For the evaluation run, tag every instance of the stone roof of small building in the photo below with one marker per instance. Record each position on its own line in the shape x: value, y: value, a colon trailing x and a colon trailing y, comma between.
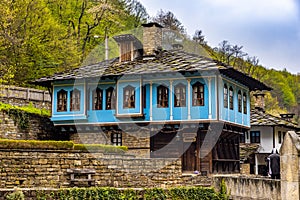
x: 247, y: 149
x: 261, y: 118
x: 163, y: 62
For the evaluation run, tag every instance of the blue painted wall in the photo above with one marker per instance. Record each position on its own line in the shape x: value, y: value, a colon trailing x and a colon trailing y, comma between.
x: 68, y: 115
x: 234, y: 116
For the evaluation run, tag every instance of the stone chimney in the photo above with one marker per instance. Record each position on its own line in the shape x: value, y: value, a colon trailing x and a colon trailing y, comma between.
x: 259, y: 101
x: 152, y: 38
x: 287, y: 116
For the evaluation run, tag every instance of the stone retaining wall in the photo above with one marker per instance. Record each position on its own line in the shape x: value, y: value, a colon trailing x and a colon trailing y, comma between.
x: 39, y: 128
x: 28, y: 169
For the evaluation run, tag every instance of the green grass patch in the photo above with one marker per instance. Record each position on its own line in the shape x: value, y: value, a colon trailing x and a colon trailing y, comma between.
x: 27, y: 109
x: 35, y: 144
x: 59, y: 145
x: 100, y: 148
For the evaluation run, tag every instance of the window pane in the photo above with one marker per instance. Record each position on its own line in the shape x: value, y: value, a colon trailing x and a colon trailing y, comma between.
x: 225, y: 96
x: 129, y: 97
x: 62, y: 101
x: 162, y: 96
x: 110, y: 99
x: 198, y: 94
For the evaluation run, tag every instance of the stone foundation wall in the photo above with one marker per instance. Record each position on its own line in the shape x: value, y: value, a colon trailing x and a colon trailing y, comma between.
x: 89, y: 138
x: 248, y: 187
x: 38, y: 128
x: 49, y: 169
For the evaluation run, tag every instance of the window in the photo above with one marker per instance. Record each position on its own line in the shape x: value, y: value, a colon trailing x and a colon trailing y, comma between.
x: 180, y: 95
x: 110, y: 99
x: 129, y: 97
x: 279, y: 137
x: 255, y: 136
x: 126, y: 51
x: 62, y: 100
x: 240, y: 101
x: 231, y: 98
x: 225, y: 96
x: 245, y: 103
x: 198, y: 94
x: 116, y: 138
x: 162, y: 97
x: 75, y: 100
x: 97, y: 99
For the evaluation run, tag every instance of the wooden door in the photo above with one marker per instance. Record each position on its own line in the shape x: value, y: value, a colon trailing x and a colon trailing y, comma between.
x: 189, y: 158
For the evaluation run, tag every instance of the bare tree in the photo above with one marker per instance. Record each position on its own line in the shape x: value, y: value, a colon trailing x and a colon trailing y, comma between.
x: 169, y: 20
x: 199, y: 38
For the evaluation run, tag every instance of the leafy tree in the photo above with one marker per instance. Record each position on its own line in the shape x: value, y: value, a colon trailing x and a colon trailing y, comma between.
x: 40, y: 37
x: 7, y: 41
x: 33, y: 44
x: 137, y: 12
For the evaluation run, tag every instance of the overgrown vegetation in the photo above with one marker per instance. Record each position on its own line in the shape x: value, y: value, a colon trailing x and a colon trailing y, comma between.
x: 59, y: 145
x: 20, y: 115
x: 179, y: 193
x: 26, y: 109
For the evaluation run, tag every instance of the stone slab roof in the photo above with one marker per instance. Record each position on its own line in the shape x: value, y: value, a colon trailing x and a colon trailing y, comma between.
x: 163, y: 62
x: 261, y: 118
x: 246, y: 149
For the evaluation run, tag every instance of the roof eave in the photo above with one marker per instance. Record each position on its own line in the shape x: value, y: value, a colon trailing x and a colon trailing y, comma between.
x: 252, y: 83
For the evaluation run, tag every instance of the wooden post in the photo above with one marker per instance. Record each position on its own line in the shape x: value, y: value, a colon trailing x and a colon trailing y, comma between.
x: 28, y: 94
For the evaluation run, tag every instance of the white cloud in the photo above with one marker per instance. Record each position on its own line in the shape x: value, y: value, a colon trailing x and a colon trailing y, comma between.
x: 269, y: 10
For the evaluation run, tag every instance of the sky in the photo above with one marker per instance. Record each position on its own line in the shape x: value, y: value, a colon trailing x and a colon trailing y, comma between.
x: 267, y: 29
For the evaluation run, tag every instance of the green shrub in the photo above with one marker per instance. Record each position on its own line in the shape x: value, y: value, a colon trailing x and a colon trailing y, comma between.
x: 155, y: 193
x: 223, y: 191
x: 190, y: 193
x: 97, y: 193
x: 16, y: 195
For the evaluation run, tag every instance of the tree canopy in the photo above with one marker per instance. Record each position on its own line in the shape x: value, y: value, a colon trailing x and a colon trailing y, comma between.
x: 40, y: 37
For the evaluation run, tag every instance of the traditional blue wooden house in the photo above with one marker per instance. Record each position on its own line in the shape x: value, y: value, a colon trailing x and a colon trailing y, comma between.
x: 159, y: 103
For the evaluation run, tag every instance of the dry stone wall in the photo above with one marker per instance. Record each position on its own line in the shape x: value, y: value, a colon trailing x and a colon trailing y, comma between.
x: 29, y: 169
x: 39, y: 128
